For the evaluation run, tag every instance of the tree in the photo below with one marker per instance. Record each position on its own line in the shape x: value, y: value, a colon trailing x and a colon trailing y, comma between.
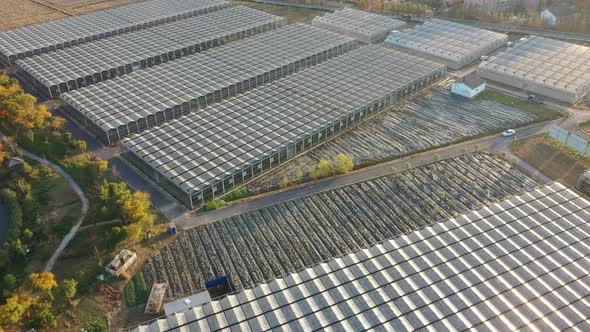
x: 9, y: 281
x: 299, y: 175
x: 343, y: 163
x: 284, y: 182
x: 69, y: 286
x: 102, y: 166
x: 80, y: 145
x: 133, y: 232
x: 12, y: 312
x: 137, y: 209
x: 44, y: 282
x: 42, y: 315
x: 114, y: 194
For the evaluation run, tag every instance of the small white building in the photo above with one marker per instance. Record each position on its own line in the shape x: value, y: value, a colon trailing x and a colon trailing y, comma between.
x: 121, y: 263
x: 468, y: 86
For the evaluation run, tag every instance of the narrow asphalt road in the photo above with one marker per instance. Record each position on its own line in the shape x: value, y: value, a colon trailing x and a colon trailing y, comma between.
x: 493, y: 143
x: 64, y: 242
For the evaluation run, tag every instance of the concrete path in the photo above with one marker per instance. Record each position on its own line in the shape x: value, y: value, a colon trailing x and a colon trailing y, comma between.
x: 79, y: 192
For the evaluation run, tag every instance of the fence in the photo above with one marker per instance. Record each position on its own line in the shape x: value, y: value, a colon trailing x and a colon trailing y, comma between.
x: 572, y: 140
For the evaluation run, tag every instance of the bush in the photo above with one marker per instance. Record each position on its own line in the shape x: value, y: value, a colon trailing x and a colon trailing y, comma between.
x: 130, y: 294
x: 80, y: 145
x: 236, y: 194
x: 343, y: 163
x: 141, y: 291
x: 215, y: 204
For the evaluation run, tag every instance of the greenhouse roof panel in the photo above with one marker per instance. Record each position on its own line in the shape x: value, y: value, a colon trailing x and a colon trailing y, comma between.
x: 94, y: 58
x: 291, y: 108
x: 518, y: 264
x: 446, y: 40
x: 544, y: 62
x: 206, y: 72
x: 36, y: 39
x: 364, y: 26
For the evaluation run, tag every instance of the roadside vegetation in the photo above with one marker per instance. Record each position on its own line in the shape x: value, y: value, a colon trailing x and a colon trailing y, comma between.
x: 43, y: 208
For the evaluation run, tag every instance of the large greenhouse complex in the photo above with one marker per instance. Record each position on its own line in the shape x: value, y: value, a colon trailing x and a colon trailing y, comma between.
x: 543, y: 66
x: 366, y: 27
x: 65, y: 70
x: 207, y: 153
x: 117, y: 108
x: 34, y: 40
x: 453, y: 44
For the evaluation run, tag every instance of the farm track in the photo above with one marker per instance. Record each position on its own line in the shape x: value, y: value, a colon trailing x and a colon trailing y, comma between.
x: 270, y: 242
x: 429, y: 121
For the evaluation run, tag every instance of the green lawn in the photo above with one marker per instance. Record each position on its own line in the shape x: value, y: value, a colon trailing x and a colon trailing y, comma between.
x: 542, y: 112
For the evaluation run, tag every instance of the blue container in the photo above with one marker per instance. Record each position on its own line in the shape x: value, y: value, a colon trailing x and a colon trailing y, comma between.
x: 173, y: 229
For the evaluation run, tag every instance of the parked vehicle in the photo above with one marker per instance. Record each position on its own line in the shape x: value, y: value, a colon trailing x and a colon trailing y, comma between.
x: 508, y: 133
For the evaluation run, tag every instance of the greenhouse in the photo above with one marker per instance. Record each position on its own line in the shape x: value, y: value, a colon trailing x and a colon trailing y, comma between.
x: 366, y: 27
x: 34, y: 40
x: 206, y: 154
x: 518, y: 265
x: 453, y: 44
x: 542, y: 66
x: 76, y: 67
x: 117, y: 108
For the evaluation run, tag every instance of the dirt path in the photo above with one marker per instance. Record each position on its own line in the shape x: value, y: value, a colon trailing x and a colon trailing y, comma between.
x: 79, y: 192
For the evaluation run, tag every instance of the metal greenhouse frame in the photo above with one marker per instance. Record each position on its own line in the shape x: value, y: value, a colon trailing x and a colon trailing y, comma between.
x: 120, y: 107
x: 543, y: 66
x: 38, y: 39
x: 208, y: 153
x: 83, y: 65
x: 366, y: 27
x: 453, y: 44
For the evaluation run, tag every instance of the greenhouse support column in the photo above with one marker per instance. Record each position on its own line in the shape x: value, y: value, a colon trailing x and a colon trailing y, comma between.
x: 190, y: 199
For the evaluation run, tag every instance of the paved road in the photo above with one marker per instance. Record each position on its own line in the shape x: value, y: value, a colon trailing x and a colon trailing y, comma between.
x: 79, y: 192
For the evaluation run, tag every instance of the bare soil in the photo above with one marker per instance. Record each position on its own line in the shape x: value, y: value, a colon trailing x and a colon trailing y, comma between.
x: 552, y: 159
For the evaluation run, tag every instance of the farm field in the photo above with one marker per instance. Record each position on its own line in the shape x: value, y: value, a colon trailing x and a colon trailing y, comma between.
x: 550, y: 158
x: 270, y: 242
x: 429, y: 121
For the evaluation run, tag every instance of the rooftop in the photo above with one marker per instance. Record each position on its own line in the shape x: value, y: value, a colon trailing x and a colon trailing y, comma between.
x: 519, y: 264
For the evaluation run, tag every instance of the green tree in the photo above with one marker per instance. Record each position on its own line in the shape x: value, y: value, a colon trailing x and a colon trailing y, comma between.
x: 9, y: 281
x: 42, y: 315
x: 114, y: 194
x: 80, y: 145
x: 69, y: 286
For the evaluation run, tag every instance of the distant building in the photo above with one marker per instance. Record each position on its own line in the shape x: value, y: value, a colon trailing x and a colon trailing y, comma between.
x: 584, y: 183
x: 557, y: 15
x: 469, y: 86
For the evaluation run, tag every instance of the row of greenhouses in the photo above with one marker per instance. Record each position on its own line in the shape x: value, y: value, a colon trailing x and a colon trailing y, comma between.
x: 133, y: 103
x: 209, y: 152
x: 83, y: 65
x: 25, y: 42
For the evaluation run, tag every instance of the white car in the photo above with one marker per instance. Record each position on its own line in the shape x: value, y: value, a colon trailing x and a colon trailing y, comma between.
x: 508, y: 133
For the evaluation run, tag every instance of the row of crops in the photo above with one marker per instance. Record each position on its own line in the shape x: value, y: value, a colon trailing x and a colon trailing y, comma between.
x: 429, y: 121
x: 262, y: 244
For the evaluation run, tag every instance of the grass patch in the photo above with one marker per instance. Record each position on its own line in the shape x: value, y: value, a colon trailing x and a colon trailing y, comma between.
x: 556, y: 161
x: 542, y: 112
x: 236, y: 194
x: 62, y: 228
x: 82, y: 168
x: 214, y: 205
x: 136, y: 292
